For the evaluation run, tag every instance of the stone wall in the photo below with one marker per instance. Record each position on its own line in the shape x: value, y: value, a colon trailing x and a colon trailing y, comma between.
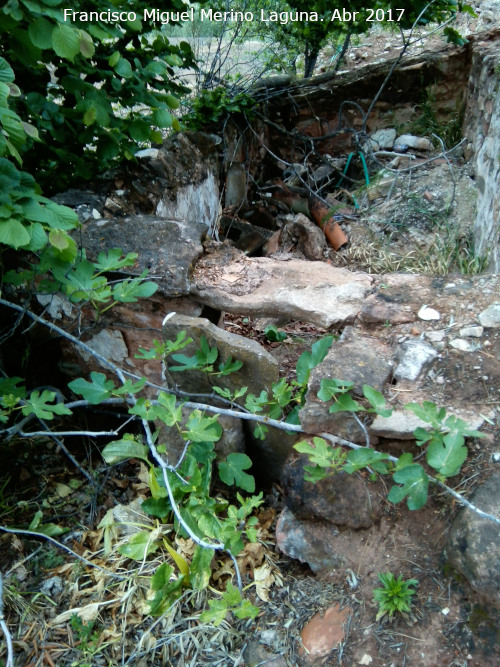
x: 482, y: 129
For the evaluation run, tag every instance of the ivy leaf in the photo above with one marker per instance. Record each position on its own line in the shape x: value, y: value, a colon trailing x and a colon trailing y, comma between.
x: 231, y: 471
x: 415, y: 483
x: 447, y: 455
x: 38, y: 404
x: 95, y: 391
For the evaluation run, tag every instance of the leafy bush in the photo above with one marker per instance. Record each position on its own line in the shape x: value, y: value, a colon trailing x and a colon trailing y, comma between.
x: 89, y: 91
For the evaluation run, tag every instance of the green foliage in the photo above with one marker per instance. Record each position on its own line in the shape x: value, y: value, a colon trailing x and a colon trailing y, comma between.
x: 445, y: 441
x: 273, y: 335
x: 231, y: 601
x: 114, y: 85
x: 396, y: 595
x: 209, y: 107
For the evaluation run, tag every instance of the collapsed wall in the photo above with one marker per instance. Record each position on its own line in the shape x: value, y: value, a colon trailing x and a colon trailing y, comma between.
x: 333, y: 114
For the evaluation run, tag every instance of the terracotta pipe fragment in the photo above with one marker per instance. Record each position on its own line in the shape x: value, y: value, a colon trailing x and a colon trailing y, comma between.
x: 326, y: 222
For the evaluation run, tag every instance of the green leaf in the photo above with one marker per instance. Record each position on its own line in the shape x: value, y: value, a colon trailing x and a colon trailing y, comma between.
x: 168, y: 410
x: 216, y: 614
x: 448, y: 455
x: 345, y: 403
x: 357, y: 459
x: 6, y: 71
x: 162, y: 117
x: 139, y: 546
x: 229, y: 366
x: 200, y: 570
x: 415, y: 484
x: 40, y: 32
x: 161, y: 577
x: 66, y: 41
x: 273, y: 335
x: 59, y: 239
x: 200, y: 428
x: 14, y: 234
x: 376, y: 400
x: 129, y: 291
x: 89, y: 116
x: 159, y: 507
x: 246, y: 610
x: 113, y: 59
x: 231, y: 471
x: 95, y: 391
x: 123, y: 68
x: 39, y: 404
x: 309, y: 359
x: 332, y: 388
x: 121, y: 450
x: 87, y: 48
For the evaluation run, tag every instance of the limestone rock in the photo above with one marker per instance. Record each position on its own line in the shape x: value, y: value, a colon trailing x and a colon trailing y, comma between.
x: 414, y: 357
x: 308, y: 542
x: 399, y: 426
x: 380, y: 139
x: 490, y: 317
x: 417, y: 143
x: 305, y: 235
x: 166, y: 248
x: 474, y: 542
x: 297, y: 289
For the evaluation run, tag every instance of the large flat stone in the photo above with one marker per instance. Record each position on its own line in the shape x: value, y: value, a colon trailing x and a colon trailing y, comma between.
x: 296, y: 289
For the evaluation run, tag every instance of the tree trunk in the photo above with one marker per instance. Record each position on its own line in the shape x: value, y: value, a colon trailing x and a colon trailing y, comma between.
x: 310, y: 58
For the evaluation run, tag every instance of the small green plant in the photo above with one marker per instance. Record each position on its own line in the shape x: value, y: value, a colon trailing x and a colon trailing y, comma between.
x: 273, y: 335
x: 395, y: 596
x: 88, y: 640
x: 231, y: 601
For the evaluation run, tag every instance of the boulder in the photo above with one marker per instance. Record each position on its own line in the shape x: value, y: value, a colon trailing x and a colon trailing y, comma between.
x: 341, y: 499
x: 259, y: 370
x: 357, y: 358
x: 168, y: 249
x: 474, y: 542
